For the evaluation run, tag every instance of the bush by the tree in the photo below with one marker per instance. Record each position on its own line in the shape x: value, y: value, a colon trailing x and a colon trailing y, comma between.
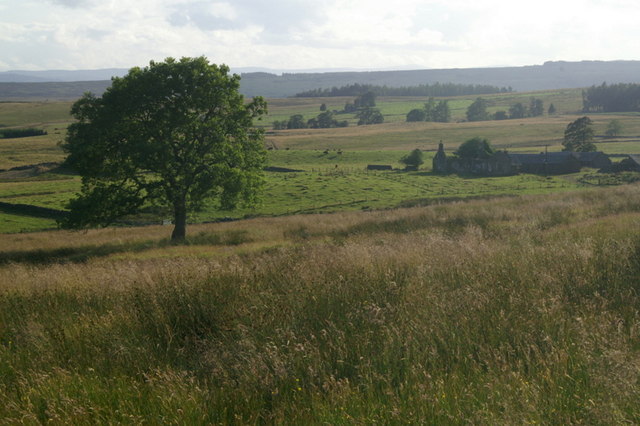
x: 413, y: 159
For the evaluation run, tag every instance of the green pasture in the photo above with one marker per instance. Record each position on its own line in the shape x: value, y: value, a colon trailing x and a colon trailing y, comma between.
x: 11, y: 223
x: 334, y: 190
x: 332, y: 161
x: 328, y: 182
x: 37, y: 114
x: 395, y: 108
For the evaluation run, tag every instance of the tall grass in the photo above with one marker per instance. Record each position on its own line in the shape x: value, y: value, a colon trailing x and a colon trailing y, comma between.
x: 520, y: 310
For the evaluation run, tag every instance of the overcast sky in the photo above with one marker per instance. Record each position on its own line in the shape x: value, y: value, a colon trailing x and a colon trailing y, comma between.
x: 312, y: 34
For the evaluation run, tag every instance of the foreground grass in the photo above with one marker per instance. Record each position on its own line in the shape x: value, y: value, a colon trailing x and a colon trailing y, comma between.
x: 519, y: 310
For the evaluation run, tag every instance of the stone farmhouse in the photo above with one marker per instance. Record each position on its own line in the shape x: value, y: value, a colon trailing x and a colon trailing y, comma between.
x: 503, y: 163
x: 629, y: 164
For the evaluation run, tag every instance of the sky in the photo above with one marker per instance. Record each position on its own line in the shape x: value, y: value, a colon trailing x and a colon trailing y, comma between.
x: 315, y: 34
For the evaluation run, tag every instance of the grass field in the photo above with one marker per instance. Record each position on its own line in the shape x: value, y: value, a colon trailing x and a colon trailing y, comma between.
x: 413, y: 299
x: 508, y: 311
x: 332, y: 160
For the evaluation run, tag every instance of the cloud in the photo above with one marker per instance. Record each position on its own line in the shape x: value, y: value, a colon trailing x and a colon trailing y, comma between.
x: 279, y: 20
x: 315, y: 34
x: 205, y: 16
x: 73, y: 3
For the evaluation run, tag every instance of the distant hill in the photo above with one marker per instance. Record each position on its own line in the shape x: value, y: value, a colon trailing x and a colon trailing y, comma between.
x: 60, y: 75
x: 551, y: 75
x: 58, y: 91
x: 23, y: 85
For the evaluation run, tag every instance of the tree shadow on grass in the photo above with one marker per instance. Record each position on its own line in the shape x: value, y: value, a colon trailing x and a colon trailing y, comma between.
x: 70, y: 254
x: 82, y: 254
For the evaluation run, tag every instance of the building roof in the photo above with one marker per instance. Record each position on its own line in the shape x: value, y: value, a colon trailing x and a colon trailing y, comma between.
x: 635, y: 158
x: 588, y: 156
x: 542, y: 158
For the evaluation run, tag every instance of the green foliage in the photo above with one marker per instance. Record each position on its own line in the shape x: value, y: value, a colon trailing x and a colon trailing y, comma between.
x: 612, y: 98
x: 366, y: 100
x: 413, y: 159
x: 614, y: 128
x: 517, y: 111
x: 296, y: 121
x: 416, y: 114
x: 174, y: 133
x: 369, y: 116
x: 536, y: 107
x: 500, y: 115
x: 20, y: 133
x: 440, y: 113
x: 326, y: 120
x: 477, y: 111
x: 436, y: 89
x: 475, y: 148
x: 578, y: 136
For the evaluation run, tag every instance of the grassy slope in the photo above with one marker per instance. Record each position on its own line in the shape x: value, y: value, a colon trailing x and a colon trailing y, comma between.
x: 506, y: 311
x: 332, y: 181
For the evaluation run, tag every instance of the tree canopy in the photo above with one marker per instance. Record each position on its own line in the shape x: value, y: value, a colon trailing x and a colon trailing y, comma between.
x: 369, y: 116
x: 578, y: 136
x: 172, y: 134
x: 413, y: 159
x: 477, y: 111
x: 612, y: 98
x: 475, y: 148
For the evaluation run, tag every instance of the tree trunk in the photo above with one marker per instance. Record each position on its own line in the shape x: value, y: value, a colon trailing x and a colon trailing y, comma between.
x: 179, y: 220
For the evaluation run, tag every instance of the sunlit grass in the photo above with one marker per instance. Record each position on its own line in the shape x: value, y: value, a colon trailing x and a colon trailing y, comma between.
x: 507, y: 311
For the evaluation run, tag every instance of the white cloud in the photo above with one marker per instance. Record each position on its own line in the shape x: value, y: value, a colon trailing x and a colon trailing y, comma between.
x: 73, y: 34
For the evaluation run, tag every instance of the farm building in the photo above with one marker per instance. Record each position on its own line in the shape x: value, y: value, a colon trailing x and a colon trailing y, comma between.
x: 503, y: 163
x: 552, y: 163
x: 596, y: 160
x: 629, y: 164
x: 499, y: 164
x: 440, y: 160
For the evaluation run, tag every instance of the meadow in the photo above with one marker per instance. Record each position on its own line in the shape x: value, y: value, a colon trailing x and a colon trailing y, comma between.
x: 332, y: 162
x: 345, y: 297
x: 515, y: 310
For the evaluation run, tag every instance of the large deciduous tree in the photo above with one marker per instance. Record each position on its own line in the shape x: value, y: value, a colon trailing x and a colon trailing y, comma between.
x: 172, y: 134
x: 578, y: 136
x: 477, y: 111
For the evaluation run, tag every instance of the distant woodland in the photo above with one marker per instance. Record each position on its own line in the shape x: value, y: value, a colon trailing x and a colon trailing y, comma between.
x: 612, y: 98
x: 436, y: 89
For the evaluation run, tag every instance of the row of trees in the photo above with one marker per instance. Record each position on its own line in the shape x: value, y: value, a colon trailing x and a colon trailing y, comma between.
x: 436, y: 89
x: 324, y: 120
x: 477, y: 111
x: 20, y: 133
x: 611, y: 98
x: 363, y: 107
x: 432, y: 111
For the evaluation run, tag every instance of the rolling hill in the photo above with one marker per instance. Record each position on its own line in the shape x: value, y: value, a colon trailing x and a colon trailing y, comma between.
x: 20, y: 85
